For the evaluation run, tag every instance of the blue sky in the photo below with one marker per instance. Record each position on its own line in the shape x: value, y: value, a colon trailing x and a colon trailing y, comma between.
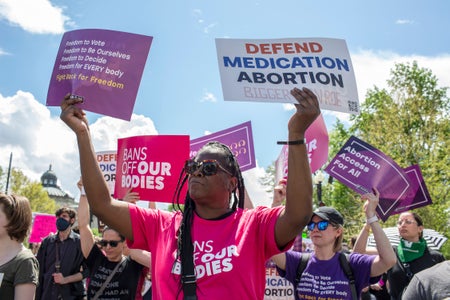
x: 180, y: 91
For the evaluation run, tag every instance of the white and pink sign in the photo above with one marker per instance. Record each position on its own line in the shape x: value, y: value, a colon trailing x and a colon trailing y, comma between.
x: 107, y: 163
x: 266, y: 70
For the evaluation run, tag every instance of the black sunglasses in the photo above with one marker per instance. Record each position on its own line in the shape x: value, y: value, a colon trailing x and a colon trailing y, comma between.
x: 207, y: 167
x: 105, y: 243
x: 321, y: 225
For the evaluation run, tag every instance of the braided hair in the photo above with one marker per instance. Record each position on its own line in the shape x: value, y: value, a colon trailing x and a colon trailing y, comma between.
x: 184, y: 238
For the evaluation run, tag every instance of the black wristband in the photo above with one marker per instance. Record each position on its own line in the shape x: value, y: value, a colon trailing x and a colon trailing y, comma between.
x: 296, y: 142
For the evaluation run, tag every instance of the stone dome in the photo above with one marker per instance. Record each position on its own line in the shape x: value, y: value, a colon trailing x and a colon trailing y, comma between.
x: 49, y: 178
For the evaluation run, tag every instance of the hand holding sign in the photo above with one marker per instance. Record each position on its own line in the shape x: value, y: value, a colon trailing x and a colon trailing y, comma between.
x: 360, y: 166
x: 103, y: 67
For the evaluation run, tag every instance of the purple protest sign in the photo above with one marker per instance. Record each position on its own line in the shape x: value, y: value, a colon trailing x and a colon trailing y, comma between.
x: 361, y: 167
x: 102, y: 66
x: 238, y: 138
x: 422, y: 196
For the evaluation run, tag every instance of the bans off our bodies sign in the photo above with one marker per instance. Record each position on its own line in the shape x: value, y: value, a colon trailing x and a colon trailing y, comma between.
x: 150, y: 165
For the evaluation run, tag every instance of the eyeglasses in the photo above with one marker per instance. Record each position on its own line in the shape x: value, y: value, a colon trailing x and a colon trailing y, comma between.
x: 407, y: 222
x: 105, y: 243
x: 207, y: 167
x: 321, y: 225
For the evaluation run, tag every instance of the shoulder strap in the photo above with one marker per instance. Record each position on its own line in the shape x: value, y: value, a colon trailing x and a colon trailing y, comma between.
x: 300, y: 268
x: 188, y: 279
x: 345, y: 265
x: 105, y: 283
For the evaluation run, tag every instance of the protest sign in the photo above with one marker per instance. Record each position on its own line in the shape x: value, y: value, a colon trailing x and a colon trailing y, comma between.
x: 421, y: 197
x: 102, y: 66
x: 107, y: 162
x: 277, y: 287
x: 43, y: 225
x: 238, y: 138
x: 361, y: 167
x: 317, y: 145
x: 281, y: 164
x: 151, y: 165
x: 266, y: 70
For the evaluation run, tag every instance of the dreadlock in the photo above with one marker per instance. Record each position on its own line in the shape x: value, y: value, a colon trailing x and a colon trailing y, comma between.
x: 184, y: 238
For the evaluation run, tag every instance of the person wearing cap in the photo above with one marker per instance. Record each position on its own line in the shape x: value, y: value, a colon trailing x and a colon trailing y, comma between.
x: 324, y: 276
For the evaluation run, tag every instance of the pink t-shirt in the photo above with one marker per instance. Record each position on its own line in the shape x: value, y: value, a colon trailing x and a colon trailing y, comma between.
x: 229, y: 254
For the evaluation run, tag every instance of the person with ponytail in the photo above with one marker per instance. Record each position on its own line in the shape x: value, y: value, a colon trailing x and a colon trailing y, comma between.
x: 413, y: 253
x: 212, y: 248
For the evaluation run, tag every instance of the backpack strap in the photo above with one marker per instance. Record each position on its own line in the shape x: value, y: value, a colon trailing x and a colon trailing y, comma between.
x: 300, y: 268
x: 345, y: 265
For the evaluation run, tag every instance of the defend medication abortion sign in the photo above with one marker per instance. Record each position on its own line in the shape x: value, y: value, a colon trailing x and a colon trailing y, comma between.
x: 102, y: 66
x: 266, y: 70
x: 107, y: 162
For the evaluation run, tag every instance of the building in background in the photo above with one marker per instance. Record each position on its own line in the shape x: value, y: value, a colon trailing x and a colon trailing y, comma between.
x: 49, y: 182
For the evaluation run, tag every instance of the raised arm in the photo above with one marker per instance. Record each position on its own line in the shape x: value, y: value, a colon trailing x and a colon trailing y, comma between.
x: 86, y: 237
x: 386, y: 257
x: 361, y: 242
x: 299, y: 189
x: 112, y: 212
x: 279, y: 193
x: 141, y: 256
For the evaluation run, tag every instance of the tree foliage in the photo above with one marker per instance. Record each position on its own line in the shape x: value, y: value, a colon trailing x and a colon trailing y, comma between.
x: 39, y: 200
x: 409, y: 121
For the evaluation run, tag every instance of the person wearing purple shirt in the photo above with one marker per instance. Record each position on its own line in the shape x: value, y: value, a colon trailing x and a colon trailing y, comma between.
x: 323, y: 276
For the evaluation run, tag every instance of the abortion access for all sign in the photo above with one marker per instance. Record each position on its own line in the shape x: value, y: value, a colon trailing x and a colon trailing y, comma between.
x: 362, y: 167
x: 104, y: 67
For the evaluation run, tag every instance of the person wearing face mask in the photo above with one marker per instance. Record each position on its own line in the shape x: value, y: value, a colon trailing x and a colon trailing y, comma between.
x: 62, y: 266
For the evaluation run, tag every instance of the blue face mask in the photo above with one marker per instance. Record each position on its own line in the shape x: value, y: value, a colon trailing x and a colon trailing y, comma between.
x: 62, y: 224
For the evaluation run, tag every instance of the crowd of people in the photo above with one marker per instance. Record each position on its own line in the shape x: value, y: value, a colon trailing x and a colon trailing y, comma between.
x: 218, y: 245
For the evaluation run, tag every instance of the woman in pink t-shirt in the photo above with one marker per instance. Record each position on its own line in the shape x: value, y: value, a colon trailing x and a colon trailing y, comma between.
x: 210, y: 242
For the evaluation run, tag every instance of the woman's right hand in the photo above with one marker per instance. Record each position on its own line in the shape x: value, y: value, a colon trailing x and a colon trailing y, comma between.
x: 73, y: 115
